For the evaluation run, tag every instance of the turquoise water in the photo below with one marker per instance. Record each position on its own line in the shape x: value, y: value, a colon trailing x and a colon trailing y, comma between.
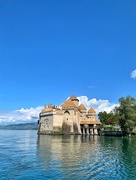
x: 25, y: 155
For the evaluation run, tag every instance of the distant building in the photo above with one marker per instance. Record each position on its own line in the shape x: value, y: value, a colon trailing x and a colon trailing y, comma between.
x: 71, y: 118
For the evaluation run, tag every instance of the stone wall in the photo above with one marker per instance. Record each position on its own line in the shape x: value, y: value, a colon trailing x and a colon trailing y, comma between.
x: 46, y: 124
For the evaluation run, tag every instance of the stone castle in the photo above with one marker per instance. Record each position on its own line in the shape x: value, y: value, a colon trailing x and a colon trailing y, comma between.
x: 71, y: 118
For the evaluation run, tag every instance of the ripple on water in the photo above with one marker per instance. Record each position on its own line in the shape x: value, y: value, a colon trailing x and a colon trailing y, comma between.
x: 24, y: 155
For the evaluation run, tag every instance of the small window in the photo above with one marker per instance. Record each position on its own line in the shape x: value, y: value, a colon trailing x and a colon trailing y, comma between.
x: 67, y: 112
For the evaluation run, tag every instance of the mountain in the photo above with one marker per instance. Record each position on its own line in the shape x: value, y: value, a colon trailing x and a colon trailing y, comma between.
x: 24, y: 126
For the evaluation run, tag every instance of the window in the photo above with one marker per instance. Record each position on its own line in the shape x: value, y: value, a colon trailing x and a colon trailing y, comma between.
x: 66, y: 112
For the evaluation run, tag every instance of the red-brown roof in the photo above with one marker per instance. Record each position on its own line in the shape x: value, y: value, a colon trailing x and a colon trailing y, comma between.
x: 74, y: 98
x: 46, y: 110
x: 68, y: 103
x: 91, y: 110
x: 82, y: 107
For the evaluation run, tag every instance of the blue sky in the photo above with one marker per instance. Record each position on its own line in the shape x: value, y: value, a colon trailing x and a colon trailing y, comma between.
x: 48, y: 48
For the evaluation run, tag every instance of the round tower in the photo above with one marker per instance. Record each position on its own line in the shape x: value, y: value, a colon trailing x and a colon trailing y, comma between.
x: 74, y: 100
x: 92, y: 114
x: 82, y: 108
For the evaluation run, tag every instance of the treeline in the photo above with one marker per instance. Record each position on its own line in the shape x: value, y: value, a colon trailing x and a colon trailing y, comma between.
x: 123, y: 115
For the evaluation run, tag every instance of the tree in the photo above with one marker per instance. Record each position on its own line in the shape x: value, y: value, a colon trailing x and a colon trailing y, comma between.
x: 103, y: 116
x: 108, y: 118
x: 113, y: 119
x: 124, y: 115
x: 127, y: 112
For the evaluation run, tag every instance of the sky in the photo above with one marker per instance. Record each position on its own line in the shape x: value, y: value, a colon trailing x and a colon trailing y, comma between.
x: 52, y: 49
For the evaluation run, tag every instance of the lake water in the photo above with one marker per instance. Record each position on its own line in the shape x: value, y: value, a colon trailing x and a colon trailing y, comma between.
x: 25, y: 155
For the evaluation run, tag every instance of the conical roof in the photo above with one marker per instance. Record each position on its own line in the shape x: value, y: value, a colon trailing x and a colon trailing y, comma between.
x: 68, y: 103
x: 82, y: 107
x: 91, y: 110
x: 73, y: 98
x: 46, y: 110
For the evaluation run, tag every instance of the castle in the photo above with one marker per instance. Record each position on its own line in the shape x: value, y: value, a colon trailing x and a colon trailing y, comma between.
x: 71, y: 118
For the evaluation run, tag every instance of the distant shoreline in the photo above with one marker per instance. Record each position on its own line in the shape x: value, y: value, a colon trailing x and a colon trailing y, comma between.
x: 24, y: 126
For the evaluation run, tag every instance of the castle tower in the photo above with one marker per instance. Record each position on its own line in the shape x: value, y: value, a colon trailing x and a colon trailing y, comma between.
x: 82, y: 108
x: 92, y: 114
x: 74, y: 100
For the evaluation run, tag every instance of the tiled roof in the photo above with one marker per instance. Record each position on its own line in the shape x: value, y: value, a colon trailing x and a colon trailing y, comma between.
x: 46, y: 110
x: 90, y: 122
x: 74, y: 98
x: 82, y: 107
x: 68, y: 103
x: 59, y: 111
x: 91, y: 110
x: 50, y: 106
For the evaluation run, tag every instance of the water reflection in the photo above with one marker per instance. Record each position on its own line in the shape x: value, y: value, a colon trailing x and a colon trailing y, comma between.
x: 25, y: 155
x: 87, y: 157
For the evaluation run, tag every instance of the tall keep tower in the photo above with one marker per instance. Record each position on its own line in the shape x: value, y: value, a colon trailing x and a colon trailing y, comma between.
x: 74, y: 100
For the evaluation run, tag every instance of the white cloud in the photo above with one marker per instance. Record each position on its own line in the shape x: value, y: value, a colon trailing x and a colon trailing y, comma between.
x: 133, y: 74
x: 32, y: 114
x: 99, y: 105
x: 21, y: 116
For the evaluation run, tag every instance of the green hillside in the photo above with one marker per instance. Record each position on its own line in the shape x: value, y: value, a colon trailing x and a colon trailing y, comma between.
x: 25, y: 126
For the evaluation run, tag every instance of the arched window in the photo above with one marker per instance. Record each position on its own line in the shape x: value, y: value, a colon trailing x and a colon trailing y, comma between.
x: 67, y: 112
